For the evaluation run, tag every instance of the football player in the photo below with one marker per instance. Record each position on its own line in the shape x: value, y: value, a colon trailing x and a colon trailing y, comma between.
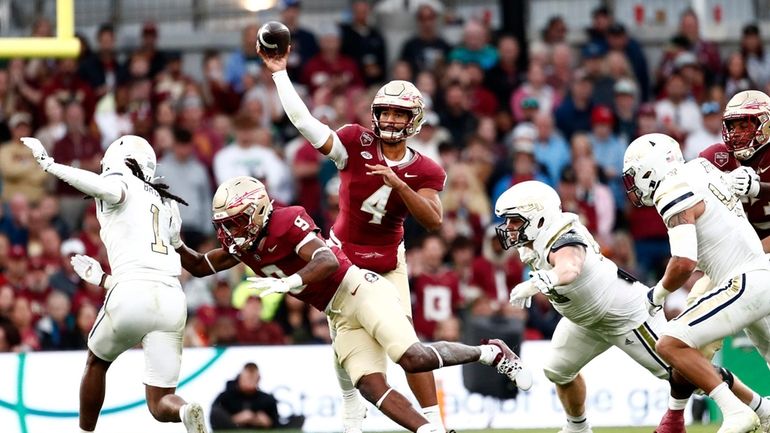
x: 696, y: 203
x: 145, y: 303
x: 382, y: 182
x: 283, y: 247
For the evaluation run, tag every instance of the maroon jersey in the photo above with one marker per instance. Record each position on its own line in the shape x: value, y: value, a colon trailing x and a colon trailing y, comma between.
x: 435, y: 297
x: 370, y: 224
x: 275, y: 256
x: 757, y: 209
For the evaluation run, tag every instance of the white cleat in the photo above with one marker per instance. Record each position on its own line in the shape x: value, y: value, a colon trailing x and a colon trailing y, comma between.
x: 353, y: 414
x: 764, y: 422
x: 743, y: 421
x: 509, y: 364
x: 193, y: 418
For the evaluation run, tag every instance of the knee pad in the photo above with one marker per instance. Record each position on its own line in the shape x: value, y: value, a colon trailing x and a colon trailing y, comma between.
x: 726, y: 375
x: 558, y: 378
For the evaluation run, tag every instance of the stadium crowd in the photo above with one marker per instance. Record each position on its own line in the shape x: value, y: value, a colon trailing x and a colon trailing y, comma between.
x: 563, y: 115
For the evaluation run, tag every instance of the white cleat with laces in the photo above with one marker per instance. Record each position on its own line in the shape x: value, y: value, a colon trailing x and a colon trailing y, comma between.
x: 742, y: 421
x: 509, y: 364
x: 193, y: 418
x: 353, y: 414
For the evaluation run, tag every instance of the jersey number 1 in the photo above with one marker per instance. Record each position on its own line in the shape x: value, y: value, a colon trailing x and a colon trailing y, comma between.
x: 376, y: 203
x: 157, y: 246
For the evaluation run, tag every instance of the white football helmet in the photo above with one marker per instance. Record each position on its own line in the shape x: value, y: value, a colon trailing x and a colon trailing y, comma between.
x: 133, y: 147
x: 753, y: 106
x: 241, y: 210
x: 401, y: 95
x: 647, y: 160
x: 533, y: 203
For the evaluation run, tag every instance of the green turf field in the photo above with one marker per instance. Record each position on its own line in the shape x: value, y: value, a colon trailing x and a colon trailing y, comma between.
x: 690, y: 429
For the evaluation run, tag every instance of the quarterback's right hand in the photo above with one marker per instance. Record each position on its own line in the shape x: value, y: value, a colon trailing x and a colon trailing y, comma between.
x: 38, y: 152
x: 521, y: 295
x: 87, y: 268
x: 274, y: 63
x: 745, y: 182
x: 175, y: 225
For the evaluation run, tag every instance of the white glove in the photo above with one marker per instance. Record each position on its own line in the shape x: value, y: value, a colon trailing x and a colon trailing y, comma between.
x: 269, y: 285
x: 521, y: 295
x: 87, y: 268
x: 656, y: 297
x: 745, y: 181
x: 175, y: 226
x: 38, y: 152
x: 543, y: 280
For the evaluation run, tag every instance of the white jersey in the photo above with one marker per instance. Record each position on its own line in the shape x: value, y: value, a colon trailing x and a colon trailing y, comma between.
x: 598, y: 299
x: 727, y: 244
x: 136, y: 233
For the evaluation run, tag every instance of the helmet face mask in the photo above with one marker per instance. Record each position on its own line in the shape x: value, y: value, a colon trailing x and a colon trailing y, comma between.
x: 746, y: 123
x: 403, y: 96
x: 241, y: 210
x: 512, y: 237
x: 528, y: 208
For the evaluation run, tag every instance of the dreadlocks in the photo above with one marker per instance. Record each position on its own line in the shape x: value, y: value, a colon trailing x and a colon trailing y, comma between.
x: 162, y: 189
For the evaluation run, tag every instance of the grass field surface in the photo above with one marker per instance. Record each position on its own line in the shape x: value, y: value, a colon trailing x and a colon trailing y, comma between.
x: 709, y: 428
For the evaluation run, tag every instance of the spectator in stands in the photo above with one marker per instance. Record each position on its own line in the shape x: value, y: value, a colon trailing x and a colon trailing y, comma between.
x: 24, y: 320
x: 757, y: 59
x: 647, y: 120
x: 524, y: 166
x: 431, y: 135
x: 551, y: 150
x: 601, y: 21
x: 711, y: 133
x: 244, y: 61
x: 592, y: 61
x: 16, y: 269
x: 67, y: 86
x: 9, y: 336
x: 435, y: 289
x: 707, y: 52
x: 57, y: 326
x: 574, y: 113
x: 608, y: 151
x: 364, y: 43
x: 736, y: 76
x: 20, y: 172
x: 114, y: 120
x: 37, y: 288
x: 619, y: 40
x: 456, y: 116
x: 185, y: 175
x: 223, y: 305
x: 303, y: 43
x: 85, y: 316
x: 496, y: 270
x: 462, y: 252
x: 14, y: 221
x: 253, y: 330
x: 7, y: 297
x: 597, y: 196
x: 192, y: 117
x: 252, y: 154
x: 535, y: 87
x: 475, y: 47
x: 101, y: 69
x: 555, y: 31
x: 503, y: 78
x: 677, y: 113
x: 217, y: 89
x: 465, y: 203
x: 243, y: 405
x: 625, y: 106
x: 148, y: 45
x: 319, y: 327
x: 427, y: 50
x: 330, y: 68
x: 66, y: 279
x: 483, y: 101
x: 79, y: 148
x: 54, y: 128
x: 572, y: 198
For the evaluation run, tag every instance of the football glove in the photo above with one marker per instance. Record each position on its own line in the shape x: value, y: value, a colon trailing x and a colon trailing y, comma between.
x: 269, y: 285
x: 745, y: 182
x: 543, y: 280
x: 38, y: 152
x: 89, y: 270
x: 655, y: 298
x: 175, y: 225
x: 521, y: 295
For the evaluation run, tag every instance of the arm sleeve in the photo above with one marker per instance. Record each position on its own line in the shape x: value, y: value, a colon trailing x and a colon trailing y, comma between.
x: 110, y: 188
x: 310, y: 127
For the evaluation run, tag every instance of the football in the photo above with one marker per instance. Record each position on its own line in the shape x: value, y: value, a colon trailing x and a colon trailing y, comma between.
x: 274, y: 38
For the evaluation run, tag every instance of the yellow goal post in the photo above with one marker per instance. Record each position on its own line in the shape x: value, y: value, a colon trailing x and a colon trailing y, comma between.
x: 65, y: 44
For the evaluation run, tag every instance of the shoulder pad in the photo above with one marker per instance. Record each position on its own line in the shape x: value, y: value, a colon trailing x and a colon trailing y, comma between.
x: 570, y: 238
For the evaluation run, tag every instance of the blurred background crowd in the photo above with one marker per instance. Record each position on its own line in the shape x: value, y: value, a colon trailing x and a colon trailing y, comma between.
x: 500, y: 109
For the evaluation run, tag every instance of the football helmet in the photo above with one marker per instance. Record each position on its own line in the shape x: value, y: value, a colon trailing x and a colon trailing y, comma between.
x: 753, y: 106
x: 647, y: 160
x: 401, y: 95
x: 533, y: 203
x: 133, y: 147
x: 241, y: 210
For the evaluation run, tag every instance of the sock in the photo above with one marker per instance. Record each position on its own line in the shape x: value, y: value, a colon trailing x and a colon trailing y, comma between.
x: 488, y: 353
x: 86, y: 431
x: 350, y: 395
x: 677, y: 403
x: 428, y: 428
x: 182, y: 409
x: 724, y: 398
x: 433, y: 415
x: 577, y: 423
x: 759, y: 405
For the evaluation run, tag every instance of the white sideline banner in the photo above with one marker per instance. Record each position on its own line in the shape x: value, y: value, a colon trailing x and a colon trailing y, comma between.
x: 39, y: 391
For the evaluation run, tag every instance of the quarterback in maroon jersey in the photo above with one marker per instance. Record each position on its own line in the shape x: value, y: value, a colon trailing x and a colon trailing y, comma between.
x: 746, y: 132
x: 382, y: 182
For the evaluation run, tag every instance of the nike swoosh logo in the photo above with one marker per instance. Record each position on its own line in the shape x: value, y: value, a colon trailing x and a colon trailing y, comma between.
x: 409, y: 175
x: 353, y: 293
x: 271, y: 249
x: 762, y: 170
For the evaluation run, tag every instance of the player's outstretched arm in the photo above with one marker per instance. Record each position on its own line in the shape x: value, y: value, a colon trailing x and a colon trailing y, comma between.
x: 317, y: 133
x: 106, y: 188
x: 200, y: 265
x: 567, y: 263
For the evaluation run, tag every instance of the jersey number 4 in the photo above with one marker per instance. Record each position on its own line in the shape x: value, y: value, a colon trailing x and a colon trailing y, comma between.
x: 157, y: 245
x: 375, y: 204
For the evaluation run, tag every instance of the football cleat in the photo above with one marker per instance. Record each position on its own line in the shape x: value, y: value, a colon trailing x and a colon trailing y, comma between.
x: 741, y: 421
x: 672, y: 422
x: 353, y: 414
x: 509, y: 364
x: 193, y: 418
